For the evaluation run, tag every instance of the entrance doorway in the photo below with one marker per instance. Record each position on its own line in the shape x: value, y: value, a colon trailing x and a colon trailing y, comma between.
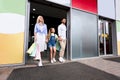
x: 105, y: 37
x: 52, y: 14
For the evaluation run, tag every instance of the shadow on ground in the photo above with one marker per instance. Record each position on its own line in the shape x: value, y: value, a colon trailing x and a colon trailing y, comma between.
x: 115, y: 59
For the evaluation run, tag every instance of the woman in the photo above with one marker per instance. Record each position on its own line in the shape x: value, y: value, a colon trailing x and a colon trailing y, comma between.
x: 40, y: 32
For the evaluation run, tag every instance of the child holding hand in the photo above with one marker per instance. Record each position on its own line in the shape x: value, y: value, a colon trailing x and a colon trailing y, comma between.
x: 51, y: 39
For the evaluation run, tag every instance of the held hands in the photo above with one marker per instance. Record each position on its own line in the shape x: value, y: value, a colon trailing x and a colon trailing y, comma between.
x: 60, y: 39
x: 46, y: 40
x: 35, y: 37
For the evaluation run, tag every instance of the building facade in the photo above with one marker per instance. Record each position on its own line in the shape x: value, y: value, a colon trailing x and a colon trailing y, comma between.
x: 93, y: 27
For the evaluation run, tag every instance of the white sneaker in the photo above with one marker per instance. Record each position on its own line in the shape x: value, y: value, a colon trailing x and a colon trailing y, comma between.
x: 60, y: 59
x: 54, y: 60
x: 40, y: 64
x: 51, y: 61
x: 63, y: 60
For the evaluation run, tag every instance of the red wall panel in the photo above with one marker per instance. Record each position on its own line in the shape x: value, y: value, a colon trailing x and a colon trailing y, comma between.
x: 85, y: 5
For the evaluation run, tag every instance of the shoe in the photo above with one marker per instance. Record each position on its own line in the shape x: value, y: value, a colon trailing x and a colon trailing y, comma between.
x: 40, y: 64
x: 54, y: 60
x: 51, y: 61
x: 61, y: 60
x: 35, y: 59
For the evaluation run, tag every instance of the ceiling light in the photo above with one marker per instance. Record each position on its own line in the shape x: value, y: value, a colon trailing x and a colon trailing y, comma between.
x: 34, y: 9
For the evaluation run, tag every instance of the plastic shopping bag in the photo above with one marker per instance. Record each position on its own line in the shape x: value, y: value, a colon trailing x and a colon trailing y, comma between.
x: 30, y: 50
x: 33, y: 53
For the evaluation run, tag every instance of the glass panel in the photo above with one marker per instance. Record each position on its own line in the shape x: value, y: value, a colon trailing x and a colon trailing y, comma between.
x: 84, y: 36
x: 108, y: 38
x: 105, y: 37
x: 101, y: 38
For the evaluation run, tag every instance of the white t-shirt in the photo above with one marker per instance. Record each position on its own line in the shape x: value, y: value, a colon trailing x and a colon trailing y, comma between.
x: 62, y: 31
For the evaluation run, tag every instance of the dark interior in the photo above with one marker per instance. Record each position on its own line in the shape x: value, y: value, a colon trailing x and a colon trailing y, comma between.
x: 52, y: 14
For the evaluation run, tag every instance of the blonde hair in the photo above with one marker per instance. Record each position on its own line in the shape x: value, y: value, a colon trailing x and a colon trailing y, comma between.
x: 49, y: 33
x: 38, y: 19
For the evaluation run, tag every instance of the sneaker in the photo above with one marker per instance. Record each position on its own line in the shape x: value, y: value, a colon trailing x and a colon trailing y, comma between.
x: 51, y: 61
x: 35, y: 59
x: 54, y: 60
x: 61, y: 59
x: 40, y: 64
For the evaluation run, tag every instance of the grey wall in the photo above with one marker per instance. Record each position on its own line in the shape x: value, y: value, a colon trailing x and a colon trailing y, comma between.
x: 114, y: 39
x: 63, y: 2
x: 83, y: 34
x: 106, y: 8
x: 118, y: 9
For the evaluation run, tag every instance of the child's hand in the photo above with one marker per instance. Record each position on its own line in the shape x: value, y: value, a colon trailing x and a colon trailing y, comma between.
x: 46, y: 40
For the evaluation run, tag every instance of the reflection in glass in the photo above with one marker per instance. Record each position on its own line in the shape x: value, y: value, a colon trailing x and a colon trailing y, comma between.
x: 105, y: 37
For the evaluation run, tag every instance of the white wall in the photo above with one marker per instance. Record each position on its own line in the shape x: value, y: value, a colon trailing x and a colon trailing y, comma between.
x: 106, y: 8
x: 63, y: 2
x: 118, y: 9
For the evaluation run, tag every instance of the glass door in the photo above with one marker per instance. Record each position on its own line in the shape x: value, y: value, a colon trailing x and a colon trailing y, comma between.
x: 105, y: 37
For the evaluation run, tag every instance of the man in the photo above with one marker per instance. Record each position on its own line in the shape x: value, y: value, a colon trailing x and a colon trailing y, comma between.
x: 62, y: 39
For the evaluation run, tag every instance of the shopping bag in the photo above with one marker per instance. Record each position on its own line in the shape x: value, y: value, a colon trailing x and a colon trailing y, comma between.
x: 33, y: 53
x: 58, y: 45
x: 29, y: 51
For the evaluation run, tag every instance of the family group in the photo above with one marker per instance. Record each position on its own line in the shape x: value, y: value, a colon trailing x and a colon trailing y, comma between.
x: 42, y: 37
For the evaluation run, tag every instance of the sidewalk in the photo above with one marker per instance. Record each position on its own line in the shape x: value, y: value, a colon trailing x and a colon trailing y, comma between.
x: 108, y: 65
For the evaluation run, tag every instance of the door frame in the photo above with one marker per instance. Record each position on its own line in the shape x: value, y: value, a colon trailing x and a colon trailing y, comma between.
x: 27, y: 29
x: 113, y: 34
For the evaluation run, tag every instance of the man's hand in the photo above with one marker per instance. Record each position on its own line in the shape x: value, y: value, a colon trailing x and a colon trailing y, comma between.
x: 59, y: 38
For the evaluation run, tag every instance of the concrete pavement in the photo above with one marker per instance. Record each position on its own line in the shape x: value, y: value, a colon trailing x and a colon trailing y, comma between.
x: 101, y: 63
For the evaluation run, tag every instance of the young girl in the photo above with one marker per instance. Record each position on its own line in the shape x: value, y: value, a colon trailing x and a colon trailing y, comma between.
x: 52, y: 37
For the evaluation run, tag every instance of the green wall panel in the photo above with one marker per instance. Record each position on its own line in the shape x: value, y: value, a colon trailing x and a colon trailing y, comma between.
x: 118, y: 26
x: 13, y: 6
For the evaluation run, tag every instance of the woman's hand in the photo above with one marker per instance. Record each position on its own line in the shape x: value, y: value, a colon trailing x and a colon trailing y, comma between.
x: 46, y: 40
x: 35, y: 39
